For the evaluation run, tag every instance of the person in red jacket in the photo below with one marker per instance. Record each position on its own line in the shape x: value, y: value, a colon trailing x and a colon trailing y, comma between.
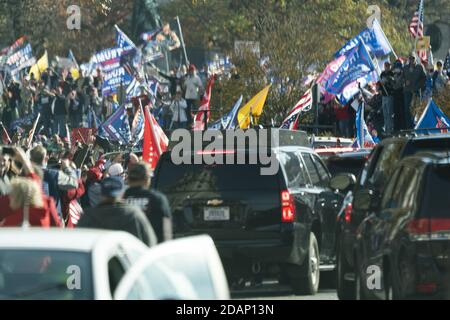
x: 26, y: 205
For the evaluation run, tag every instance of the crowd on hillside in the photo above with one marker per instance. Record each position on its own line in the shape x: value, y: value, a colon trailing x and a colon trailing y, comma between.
x: 390, y: 102
x: 65, y: 103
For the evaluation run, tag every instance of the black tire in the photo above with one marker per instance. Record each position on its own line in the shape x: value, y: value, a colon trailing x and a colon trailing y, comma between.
x: 346, y: 290
x: 308, y: 283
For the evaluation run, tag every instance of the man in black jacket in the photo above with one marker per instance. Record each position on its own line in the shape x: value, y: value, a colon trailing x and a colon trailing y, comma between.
x: 115, y: 215
x: 154, y: 204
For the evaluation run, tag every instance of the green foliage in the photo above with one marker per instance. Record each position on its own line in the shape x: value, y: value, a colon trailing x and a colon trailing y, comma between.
x: 295, y: 34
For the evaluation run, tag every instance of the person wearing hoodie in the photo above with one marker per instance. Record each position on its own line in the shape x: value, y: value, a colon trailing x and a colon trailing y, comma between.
x: 115, y: 215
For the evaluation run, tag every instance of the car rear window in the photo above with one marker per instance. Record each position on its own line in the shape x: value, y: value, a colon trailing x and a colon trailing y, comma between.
x: 430, y: 145
x: 45, y: 275
x: 437, y: 201
x: 181, y: 178
x: 345, y: 165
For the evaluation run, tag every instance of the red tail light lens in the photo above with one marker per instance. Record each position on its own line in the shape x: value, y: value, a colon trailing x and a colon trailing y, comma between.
x: 348, y: 213
x: 287, y: 207
x: 426, y: 229
x: 215, y: 152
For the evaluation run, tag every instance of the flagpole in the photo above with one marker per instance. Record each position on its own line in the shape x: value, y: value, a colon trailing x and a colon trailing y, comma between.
x: 182, y: 40
x: 33, y: 130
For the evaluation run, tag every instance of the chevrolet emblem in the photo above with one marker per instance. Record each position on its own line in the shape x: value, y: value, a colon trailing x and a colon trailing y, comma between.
x: 215, y: 203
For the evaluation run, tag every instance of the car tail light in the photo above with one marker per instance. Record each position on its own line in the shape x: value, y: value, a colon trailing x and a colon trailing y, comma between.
x: 287, y: 207
x: 426, y: 288
x: 215, y: 152
x: 429, y: 229
x: 348, y: 213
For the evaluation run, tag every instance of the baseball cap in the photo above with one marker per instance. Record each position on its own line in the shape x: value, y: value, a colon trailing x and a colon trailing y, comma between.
x: 112, y: 187
x: 139, y: 172
x: 116, y: 170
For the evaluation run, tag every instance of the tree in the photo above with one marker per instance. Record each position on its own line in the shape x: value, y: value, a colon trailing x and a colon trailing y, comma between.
x: 44, y: 23
x: 296, y: 37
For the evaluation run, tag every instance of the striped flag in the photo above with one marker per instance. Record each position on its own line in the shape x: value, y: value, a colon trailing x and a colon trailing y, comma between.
x: 205, y: 109
x: 416, y: 28
x: 75, y: 213
x: 304, y: 105
x: 155, y: 140
x: 447, y: 62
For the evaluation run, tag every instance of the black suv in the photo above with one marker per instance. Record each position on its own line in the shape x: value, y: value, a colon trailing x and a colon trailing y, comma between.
x: 407, y: 237
x: 373, y: 179
x: 263, y: 226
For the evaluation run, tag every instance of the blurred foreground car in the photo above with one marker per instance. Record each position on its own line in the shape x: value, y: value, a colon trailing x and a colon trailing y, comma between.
x: 40, y: 264
x: 373, y: 179
x: 407, y: 236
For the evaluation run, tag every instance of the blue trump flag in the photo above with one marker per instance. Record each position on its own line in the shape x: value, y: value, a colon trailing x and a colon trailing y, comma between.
x: 117, y: 127
x: 123, y: 41
x: 433, y: 120
x: 374, y: 38
x: 353, y: 88
x: 229, y: 121
x: 363, y: 137
x: 114, y: 79
x: 358, y: 64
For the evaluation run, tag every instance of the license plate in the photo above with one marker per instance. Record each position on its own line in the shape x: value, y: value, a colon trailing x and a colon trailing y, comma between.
x: 217, y: 214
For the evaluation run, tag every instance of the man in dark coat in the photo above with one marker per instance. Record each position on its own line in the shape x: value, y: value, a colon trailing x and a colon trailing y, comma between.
x: 113, y: 214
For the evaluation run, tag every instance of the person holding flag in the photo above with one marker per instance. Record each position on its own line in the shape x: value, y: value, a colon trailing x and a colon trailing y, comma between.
x: 414, y: 77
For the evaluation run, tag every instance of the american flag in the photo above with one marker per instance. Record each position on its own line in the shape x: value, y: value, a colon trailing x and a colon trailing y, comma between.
x: 304, y: 105
x: 416, y: 28
x: 447, y: 62
x: 75, y: 213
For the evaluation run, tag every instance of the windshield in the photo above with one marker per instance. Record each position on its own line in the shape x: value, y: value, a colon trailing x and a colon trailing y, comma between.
x: 350, y: 165
x: 45, y: 275
x: 428, y: 145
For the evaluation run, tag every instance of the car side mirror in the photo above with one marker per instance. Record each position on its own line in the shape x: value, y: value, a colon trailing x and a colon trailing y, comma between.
x: 342, y: 182
x: 366, y: 200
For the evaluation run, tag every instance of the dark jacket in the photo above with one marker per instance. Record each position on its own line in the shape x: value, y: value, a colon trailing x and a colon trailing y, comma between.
x: 414, y: 78
x: 157, y: 209
x: 119, y: 217
x: 60, y: 106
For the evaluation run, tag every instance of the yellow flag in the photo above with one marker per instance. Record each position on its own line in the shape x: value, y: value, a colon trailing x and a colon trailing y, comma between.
x: 253, y: 108
x: 40, y: 66
x: 75, y: 73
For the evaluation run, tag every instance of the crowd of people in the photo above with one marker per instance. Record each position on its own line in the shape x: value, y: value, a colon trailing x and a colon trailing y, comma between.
x: 391, y: 101
x: 104, y: 195
x: 65, y: 103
